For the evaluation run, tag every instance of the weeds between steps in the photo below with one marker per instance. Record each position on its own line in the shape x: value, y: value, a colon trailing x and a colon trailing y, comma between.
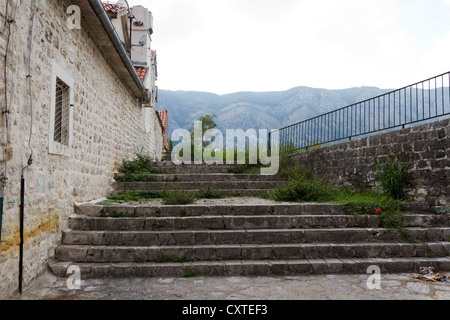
x: 190, y: 273
x: 303, y: 187
x: 141, y: 164
x: 169, y: 197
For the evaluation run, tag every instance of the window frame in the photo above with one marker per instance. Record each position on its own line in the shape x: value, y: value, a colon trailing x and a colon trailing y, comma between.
x: 56, y: 147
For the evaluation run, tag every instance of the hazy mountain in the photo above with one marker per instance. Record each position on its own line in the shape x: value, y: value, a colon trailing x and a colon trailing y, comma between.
x: 257, y: 110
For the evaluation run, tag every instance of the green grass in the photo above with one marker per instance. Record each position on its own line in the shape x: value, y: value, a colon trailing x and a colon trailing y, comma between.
x: 190, y: 273
x: 177, y: 197
x: 128, y: 196
x: 140, y: 260
x: 210, y: 193
x: 303, y: 187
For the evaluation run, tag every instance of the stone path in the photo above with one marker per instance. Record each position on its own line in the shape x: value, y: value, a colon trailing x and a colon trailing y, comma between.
x: 320, y: 287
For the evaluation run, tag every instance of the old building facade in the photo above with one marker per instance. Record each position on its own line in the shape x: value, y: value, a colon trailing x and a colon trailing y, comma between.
x: 88, y: 109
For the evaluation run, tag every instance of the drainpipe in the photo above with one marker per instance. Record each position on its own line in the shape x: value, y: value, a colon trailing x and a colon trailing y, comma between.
x: 97, y: 6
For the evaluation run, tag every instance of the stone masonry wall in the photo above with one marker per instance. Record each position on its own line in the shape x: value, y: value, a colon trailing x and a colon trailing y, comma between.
x: 426, y: 147
x: 108, y: 126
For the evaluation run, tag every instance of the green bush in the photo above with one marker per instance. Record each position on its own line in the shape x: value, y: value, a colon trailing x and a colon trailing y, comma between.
x: 302, y: 187
x: 176, y: 197
x: 394, y: 176
x: 139, y: 165
x: 210, y: 193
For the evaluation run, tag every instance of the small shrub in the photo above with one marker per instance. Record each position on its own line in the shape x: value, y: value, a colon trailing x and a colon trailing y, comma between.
x: 394, y: 176
x: 139, y: 165
x: 210, y: 193
x: 176, y: 197
x: 190, y: 273
x: 302, y: 187
x: 183, y: 213
x: 140, y: 260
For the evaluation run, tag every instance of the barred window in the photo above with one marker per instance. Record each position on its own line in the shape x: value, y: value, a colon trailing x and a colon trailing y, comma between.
x: 62, y: 112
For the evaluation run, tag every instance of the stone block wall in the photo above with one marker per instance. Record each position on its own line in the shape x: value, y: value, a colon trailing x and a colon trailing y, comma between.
x: 108, y: 126
x: 425, y: 147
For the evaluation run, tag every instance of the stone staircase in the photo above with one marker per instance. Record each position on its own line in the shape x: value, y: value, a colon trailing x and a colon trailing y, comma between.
x: 245, y: 237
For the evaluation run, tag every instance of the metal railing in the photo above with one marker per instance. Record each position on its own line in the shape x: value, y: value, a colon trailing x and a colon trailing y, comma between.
x: 424, y: 100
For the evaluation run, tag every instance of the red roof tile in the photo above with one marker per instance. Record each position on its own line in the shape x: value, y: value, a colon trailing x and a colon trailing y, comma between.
x: 112, y: 8
x: 163, y: 115
x: 167, y: 146
x: 141, y: 71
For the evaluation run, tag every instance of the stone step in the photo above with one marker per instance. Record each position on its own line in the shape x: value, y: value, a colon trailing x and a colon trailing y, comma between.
x: 168, y: 254
x: 196, y: 210
x: 196, y: 185
x: 250, y: 268
x: 256, y: 236
x: 170, y: 168
x: 160, y: 164
x: 225, y: 192
x: 77, y: 222
x: 205, y: 177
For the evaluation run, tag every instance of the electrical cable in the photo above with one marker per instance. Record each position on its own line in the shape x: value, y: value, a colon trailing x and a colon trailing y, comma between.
x: 30, y: 92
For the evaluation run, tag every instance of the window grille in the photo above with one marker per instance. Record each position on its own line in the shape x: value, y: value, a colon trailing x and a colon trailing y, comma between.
x: 62, y: 113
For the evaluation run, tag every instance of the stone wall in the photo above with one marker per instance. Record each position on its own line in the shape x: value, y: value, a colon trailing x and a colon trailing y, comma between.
x: 108, y: 126
x: 426, y: 147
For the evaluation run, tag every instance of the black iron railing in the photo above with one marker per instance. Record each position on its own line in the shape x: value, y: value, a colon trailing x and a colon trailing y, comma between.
x: 422, y: 101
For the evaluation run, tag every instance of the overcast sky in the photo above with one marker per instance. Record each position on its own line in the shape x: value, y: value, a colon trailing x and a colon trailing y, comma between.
x: 224, y: 46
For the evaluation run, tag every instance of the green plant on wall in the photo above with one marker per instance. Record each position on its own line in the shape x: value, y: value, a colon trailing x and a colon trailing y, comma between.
x: 393, y: 175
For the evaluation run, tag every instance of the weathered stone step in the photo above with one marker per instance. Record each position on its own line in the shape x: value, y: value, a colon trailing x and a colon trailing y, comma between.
x: 251, y: 268
x: 217, y: 210
x: 77, y: 222
x: 196, y: 210
x: 257, y: 236
x: 169, y: 164
x: 226, y: 192
x: 204, y: 177
x: 196, y: 185
x: 170, y: 168
x: 168, y: 254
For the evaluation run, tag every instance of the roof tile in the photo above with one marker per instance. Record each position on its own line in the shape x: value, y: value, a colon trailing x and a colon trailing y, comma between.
x: 163, y: 115
x: 141, y: 71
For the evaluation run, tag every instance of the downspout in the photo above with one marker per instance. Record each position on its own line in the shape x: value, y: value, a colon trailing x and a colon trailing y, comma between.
x: 97, y: 6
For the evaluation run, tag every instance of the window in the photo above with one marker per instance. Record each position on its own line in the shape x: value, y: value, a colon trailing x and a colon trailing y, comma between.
x: 61, y: 118
x: 62, y: 112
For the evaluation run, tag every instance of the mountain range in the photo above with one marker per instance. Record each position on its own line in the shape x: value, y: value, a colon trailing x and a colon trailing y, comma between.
x: 257, y: 110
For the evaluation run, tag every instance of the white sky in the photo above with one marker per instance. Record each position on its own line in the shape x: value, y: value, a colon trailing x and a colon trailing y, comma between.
x: 224, y: 46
